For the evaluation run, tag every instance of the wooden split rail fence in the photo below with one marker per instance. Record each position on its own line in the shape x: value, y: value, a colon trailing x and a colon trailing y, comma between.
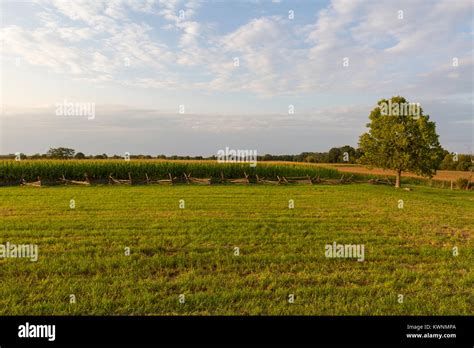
x: 187, y: 178
x: 75, y: 182
x: 34, y: 183
x: 244, y: 180
x: 112, y: 180
x: 170, y: 180
x: 191, y: 180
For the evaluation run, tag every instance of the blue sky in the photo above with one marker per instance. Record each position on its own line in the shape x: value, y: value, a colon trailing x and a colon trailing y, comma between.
x: 139, y: 60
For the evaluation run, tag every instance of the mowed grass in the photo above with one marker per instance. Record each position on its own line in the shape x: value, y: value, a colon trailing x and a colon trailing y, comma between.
x: 282, y: 251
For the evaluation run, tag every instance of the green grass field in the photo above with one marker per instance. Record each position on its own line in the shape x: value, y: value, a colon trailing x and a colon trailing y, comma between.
x: 190, y: 251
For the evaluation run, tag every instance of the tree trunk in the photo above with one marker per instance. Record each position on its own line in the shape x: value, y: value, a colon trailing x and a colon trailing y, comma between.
x: 397, y: 181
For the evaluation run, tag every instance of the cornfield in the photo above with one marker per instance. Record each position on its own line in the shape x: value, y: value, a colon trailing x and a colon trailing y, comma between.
x: 52, y: 170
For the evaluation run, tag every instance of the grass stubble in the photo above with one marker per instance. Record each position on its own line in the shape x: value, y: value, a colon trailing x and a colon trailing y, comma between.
x: 191, y: 251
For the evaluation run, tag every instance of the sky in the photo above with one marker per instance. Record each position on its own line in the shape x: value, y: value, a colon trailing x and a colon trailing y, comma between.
x: 193, y: 77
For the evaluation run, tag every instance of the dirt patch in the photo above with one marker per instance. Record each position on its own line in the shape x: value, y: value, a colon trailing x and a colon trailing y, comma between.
x: 441, y: 175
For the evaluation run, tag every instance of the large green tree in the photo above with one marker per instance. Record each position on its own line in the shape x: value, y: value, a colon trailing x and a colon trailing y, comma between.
x: 60, y: 153
x: 402, y: 139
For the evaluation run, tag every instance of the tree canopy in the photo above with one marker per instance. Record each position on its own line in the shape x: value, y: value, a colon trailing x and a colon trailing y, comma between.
x: 60, y: 153
x: 401, y: 141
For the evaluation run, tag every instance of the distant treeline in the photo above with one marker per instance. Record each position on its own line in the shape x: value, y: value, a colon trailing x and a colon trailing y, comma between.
x: 343, y: 154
